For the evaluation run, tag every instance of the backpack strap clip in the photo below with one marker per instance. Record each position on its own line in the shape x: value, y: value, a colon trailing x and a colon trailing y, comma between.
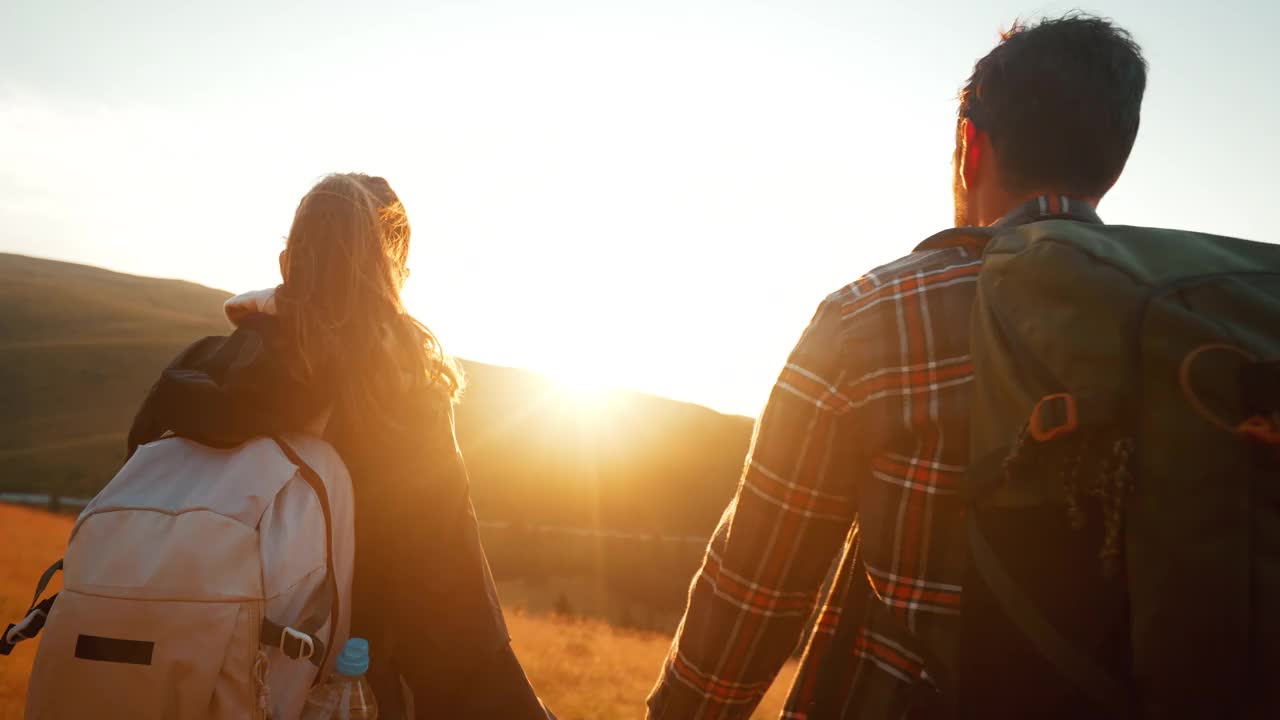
x: 275, y: 635
x: 28, y: 627
x: 1054, y: 415
x: 293, y: 643
x: 33, y: 622
x: 306, y: 647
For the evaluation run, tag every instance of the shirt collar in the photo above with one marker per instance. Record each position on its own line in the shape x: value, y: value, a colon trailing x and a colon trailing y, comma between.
x: 1045, y: 207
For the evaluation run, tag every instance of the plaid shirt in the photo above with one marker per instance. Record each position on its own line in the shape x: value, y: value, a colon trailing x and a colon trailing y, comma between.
x: 859, y: 455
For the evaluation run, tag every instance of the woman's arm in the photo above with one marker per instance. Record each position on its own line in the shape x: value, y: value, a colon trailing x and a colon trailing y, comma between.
x: 441, y: 605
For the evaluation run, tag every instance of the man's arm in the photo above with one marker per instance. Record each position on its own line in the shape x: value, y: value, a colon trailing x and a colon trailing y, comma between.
x: 764, y: 567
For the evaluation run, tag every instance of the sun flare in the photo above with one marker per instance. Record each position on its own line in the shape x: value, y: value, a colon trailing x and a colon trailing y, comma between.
x: 585, y: 391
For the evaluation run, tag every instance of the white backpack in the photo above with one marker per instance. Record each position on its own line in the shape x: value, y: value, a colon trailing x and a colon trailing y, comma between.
x: 199, y: 584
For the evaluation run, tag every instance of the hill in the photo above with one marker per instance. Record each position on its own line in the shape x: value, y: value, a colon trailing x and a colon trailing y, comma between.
x: 581, y: 668
x: 562, y: 487
x: 79, y: 346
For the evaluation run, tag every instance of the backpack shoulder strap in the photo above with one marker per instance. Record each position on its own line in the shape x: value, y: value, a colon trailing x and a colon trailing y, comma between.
x: 301, y: 642
x: 1086, y: 674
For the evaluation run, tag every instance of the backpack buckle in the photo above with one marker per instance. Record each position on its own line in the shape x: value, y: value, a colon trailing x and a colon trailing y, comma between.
x: 303, y: 646
x: 10, y: 639
x: 1054, y: 415
x: 28, y: 627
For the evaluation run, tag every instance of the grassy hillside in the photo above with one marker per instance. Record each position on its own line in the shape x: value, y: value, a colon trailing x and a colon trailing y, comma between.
x: 80, y: 346
x: 636, y: 463
x: 584, y: 670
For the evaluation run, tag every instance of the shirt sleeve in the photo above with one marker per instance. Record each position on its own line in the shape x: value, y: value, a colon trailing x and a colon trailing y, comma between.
x: 430, y: 588
x: 766, y: 563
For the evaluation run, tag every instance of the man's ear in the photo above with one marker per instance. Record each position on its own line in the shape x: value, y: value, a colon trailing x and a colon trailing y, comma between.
x: 971, y: 155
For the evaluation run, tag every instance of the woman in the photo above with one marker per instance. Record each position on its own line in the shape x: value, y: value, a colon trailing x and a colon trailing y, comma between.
x: 333, y: 351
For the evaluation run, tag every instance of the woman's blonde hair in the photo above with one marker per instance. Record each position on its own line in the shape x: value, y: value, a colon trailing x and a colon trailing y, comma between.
x: 344, y: 266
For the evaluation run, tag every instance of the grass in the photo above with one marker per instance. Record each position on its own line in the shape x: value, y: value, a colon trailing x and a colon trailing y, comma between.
x: 29, y: 541
x: 589, y: 670
x: 583, y: 669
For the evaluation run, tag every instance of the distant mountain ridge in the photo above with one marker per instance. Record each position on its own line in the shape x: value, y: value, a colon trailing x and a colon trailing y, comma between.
x: 80, y: 345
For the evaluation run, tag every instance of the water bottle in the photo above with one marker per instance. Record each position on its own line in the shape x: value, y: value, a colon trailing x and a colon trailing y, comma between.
x: 346, y: 695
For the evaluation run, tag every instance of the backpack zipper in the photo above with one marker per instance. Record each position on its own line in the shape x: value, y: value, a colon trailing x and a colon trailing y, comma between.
x: 259, y: 667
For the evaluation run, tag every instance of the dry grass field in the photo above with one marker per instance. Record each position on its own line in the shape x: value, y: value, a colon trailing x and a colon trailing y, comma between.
x: 29, y: 541
x: 588, y: 670
x: 583, y: 669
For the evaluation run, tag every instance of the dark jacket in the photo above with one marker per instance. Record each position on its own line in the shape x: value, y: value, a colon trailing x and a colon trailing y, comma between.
x: 422, y: 591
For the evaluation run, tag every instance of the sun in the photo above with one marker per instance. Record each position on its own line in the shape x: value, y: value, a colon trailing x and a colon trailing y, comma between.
x: 584, y: 390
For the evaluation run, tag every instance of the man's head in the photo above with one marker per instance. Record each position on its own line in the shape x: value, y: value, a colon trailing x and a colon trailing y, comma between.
x: 1053, y: 109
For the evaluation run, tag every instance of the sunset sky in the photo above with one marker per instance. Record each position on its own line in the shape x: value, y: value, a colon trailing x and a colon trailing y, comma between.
x: 651, y: 194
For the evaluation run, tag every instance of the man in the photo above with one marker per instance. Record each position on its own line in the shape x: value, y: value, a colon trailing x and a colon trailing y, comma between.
x: 858, y: 455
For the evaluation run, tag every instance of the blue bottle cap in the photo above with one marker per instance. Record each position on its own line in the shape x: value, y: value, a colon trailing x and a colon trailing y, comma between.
x: 353, y: 661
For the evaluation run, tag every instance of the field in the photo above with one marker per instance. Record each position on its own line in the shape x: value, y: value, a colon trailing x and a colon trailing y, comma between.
x: 583, y: 669
x: 595, y: 511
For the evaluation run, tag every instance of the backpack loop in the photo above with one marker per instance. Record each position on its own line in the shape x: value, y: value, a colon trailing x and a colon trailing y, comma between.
x: 1189, y: 391
x: 1054, y: 415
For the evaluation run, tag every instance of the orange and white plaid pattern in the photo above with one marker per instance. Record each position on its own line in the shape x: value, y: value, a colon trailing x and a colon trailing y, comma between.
x: 856, y: 462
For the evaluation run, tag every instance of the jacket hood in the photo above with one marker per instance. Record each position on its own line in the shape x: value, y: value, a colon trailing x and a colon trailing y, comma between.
x: 245, y: 304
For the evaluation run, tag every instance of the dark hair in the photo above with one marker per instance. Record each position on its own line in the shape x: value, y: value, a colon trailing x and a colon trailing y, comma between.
x: 1060, y: 101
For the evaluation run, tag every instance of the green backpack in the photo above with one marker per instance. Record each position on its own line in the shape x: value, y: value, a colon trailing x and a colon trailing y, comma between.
x: 1124, y: 516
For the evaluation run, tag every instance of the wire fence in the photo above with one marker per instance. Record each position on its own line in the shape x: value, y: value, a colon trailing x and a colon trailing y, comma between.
x: 67, y: 504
